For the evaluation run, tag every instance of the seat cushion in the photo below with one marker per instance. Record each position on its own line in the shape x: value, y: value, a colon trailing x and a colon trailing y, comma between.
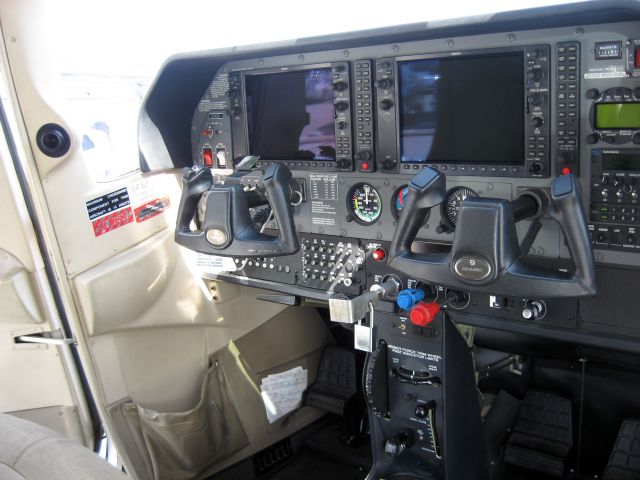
x: 30, y: 451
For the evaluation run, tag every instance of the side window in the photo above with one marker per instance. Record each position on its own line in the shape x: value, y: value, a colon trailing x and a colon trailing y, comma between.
x: 104, y: 109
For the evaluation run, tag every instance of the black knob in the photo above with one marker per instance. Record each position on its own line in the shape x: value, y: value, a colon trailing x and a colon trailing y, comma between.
x: 363, y: 155
x: 341, y: 106
x: 592, y: 138
x: 53, y: 140
x: 617, y: 181
x: 536, y: 53
x: 592, y: 93
x: 388, y: 164
x: 636, y: 92
x: 609, y: 139
x: 343, y: 163
x: 536, y: 99
x: 421, y: 411
x: 339, y: 68
x: 536, y: 121
x: 384, y: 83
x: 340, y: 86
x: 535, y: 75
x: 605, y: 180
x: 627, y: 188
x: 394, y: 447
x: 235, y: 111
x: 342, y: 125
x: 535, y: 168
x: 386, y: 104
x: 631, y: 239
x: 601, y: 237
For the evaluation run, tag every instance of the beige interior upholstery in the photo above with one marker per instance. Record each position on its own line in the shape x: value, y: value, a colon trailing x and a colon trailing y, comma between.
x: 29, y: 451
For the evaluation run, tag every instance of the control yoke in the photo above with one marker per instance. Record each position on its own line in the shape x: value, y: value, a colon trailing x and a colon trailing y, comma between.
x: 227, y: 228
x: 485, y: 254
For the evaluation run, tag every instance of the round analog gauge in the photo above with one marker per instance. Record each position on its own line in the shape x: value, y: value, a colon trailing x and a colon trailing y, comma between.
x: 453, y: 202
x: 399, y: 201
x: 364, y: 203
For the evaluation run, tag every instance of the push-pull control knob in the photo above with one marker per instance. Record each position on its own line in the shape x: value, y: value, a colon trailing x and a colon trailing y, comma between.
x: 341, y: 106
x: 535, y: 168
x: 409, y: 298
x: 536, y: 99
x: 536, y: 121
x: 592, y: 93
x: 395, y: 446
x: 364, y: 155
x: 534, y: 75
x: 424, y: 313
x: 340, y: 86
x: 533, y: 310
x: 592, y: 138
x: 386, y: 104
x: 384, y: 83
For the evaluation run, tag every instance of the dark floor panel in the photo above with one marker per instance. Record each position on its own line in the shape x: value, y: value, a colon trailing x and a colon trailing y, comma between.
x: 311, y: 466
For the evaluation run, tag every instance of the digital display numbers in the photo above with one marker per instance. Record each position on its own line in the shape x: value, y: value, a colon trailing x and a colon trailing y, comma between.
x: 608, y: 50
x: 617, y: 115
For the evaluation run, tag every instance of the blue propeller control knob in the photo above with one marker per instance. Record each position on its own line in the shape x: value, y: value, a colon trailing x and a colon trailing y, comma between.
x: 408, y: 298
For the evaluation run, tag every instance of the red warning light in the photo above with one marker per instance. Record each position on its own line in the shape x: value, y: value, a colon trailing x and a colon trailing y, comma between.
x: 566, y: 171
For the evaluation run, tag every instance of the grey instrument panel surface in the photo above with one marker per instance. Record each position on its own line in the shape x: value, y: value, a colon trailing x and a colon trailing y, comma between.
x: 594, y: 74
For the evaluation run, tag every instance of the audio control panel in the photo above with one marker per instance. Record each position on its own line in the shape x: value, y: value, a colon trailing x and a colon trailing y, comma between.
x: 364, y: 133
x: 567, y: 113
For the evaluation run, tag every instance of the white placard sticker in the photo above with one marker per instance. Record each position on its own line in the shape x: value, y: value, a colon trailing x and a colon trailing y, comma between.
x: 282, y: 392
x: 214, y: 263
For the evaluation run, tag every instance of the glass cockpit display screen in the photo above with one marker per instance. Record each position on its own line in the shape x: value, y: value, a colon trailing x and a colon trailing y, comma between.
x: 290, y: 115
x: 462, y: 109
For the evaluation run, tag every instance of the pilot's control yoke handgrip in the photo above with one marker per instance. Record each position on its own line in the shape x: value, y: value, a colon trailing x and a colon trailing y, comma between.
x: 227, y: 228
x: 485, y: 254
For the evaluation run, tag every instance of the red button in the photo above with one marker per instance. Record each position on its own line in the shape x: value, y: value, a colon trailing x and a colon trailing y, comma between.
x: 379, y: 254
x: 636, y: 58
x: 566, y: 171
x: 365, y: 166
x: 424, y: 313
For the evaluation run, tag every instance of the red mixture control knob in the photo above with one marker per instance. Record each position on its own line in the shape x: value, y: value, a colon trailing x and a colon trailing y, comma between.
x: 424, y: 313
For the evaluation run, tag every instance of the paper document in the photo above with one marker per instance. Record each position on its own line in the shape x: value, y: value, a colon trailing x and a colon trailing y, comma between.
x: 282, y: 392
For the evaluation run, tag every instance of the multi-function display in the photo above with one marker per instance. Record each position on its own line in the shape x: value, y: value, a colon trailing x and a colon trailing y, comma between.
x: 290, y: 115
x: 467, y: 109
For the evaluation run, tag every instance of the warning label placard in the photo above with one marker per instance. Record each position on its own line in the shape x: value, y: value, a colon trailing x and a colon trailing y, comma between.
x: 108, y: 203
